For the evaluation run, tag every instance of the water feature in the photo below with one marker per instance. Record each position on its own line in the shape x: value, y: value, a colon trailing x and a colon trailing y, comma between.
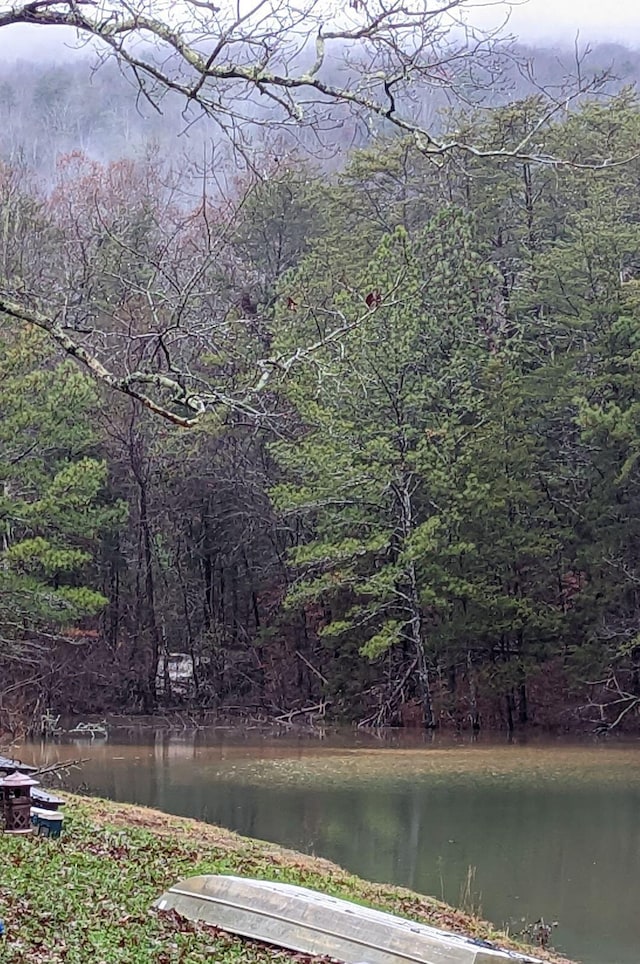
x: 521, y: 831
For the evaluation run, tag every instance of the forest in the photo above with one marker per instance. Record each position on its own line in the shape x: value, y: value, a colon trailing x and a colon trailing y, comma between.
x: 412, y: 497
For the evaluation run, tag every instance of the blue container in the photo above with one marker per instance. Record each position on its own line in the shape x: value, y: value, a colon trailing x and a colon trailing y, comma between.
x: 50, y: 825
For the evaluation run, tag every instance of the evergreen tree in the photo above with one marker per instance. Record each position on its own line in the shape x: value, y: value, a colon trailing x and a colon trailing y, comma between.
x: 403, y: 373
x: 52, y: 509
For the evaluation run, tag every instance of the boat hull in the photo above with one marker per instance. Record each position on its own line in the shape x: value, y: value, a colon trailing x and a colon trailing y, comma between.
x: 314, y: 923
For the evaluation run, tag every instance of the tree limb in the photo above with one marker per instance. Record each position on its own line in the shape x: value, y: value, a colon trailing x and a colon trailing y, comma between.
x: 218, y: 56
x: 125, y: 385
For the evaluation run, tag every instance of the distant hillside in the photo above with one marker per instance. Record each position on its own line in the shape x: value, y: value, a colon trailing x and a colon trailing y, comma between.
x: 47, y: 110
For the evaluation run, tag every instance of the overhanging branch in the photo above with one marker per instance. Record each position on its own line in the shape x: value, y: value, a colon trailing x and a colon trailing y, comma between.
x: 220, y: 55
x: 126, y: 385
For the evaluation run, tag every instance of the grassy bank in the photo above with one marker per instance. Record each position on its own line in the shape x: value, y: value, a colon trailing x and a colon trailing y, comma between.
x: 85, y: 898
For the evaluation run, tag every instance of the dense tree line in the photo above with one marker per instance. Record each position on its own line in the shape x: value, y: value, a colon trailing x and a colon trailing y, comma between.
x: 430, y: 518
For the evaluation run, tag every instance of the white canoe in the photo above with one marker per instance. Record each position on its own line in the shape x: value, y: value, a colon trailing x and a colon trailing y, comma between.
x: 314, y: 923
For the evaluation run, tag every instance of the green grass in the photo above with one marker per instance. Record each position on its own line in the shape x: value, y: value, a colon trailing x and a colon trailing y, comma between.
x: 86, y: 898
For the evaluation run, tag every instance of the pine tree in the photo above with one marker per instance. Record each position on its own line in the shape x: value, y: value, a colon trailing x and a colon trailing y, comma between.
x: 52, y: 510
x: 402, y: 377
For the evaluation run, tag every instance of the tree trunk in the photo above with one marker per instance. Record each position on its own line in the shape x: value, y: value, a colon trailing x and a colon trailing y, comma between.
x: 473, y: 694
x: 150, y: 627
x: 413, y: 628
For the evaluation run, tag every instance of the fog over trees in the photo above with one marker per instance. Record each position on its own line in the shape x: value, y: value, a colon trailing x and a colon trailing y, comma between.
x: 51, y: 108
x: 320, y: 372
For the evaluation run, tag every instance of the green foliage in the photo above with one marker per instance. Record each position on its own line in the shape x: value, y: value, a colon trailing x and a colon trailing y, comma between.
x: 52, y: 513
x: 449, y: 488
x: 378, y: 413
x: 481, y: 421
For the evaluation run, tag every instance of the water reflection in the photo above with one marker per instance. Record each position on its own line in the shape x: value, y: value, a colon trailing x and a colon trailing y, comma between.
x: 552, y: 831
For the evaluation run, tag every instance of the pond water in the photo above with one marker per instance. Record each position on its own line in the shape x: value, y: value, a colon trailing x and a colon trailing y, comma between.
x: 517, y: 832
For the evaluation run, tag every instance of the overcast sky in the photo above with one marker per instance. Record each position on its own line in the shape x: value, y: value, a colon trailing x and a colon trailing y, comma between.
x: 531, y: 20
x: 561, y: 19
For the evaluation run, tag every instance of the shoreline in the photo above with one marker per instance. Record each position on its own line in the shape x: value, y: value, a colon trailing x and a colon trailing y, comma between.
x: 298, y: 724
x: 87, y: 896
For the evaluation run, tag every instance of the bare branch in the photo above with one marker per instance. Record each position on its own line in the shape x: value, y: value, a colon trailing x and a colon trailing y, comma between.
x: 376, y: 58
x: 126, y: 385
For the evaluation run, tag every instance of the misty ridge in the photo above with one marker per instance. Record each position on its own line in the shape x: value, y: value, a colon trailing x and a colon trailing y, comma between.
x: 49, y: 110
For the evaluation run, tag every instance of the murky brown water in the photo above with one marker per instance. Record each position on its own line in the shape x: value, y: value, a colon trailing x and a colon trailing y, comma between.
x: 549, y: 831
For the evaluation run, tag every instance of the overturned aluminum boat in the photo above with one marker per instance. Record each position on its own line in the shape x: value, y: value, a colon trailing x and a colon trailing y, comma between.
x: 314, y: 923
